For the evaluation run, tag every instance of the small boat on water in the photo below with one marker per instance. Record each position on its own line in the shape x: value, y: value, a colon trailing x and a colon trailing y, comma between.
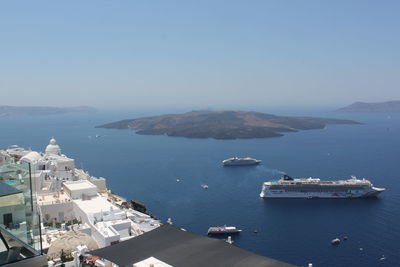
x: 335, y: 241
x: 204, y: 186
x: 220, y: 230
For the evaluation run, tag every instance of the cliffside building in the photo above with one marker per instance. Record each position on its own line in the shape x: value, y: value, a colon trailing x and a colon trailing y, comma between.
x: 66, y: 196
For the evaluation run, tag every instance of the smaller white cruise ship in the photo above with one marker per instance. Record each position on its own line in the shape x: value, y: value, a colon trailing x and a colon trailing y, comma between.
x: 287, y: 187
x: 240, y: 161
x: 221, y: 230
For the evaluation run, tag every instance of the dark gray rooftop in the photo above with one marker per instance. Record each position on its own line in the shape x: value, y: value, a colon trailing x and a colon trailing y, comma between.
x: 6, y: 190
x: 183, y: 249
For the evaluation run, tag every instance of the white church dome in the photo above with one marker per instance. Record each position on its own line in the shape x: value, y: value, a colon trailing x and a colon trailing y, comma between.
x: 52, y: 148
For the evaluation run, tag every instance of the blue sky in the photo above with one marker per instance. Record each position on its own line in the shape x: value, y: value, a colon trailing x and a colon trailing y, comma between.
x: 198, y: 53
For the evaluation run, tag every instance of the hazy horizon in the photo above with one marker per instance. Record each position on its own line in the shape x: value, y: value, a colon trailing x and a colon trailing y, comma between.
x: 197, y: 55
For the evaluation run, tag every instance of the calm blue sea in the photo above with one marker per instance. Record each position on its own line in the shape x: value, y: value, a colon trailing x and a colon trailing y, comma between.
x: 145, y: 168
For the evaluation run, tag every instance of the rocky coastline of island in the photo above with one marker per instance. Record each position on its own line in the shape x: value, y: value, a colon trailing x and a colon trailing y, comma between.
x: 223, y: 125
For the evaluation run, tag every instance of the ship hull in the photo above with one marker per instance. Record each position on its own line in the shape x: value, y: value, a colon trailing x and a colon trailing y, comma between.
x: 241, y: 163
x: 224, y: 233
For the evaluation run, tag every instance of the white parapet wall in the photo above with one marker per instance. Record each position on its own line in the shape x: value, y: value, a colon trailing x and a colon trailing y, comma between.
x: 55, y: 206
x: 100, y: 183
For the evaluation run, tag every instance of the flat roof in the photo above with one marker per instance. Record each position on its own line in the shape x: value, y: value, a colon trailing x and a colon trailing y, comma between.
x: 178, y: 248
x: 95, y: 204
x: 52, y: 198
x: 79, y: 185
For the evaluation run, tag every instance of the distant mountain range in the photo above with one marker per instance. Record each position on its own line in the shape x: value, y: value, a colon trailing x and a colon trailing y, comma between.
x: 222, y: 124
x: 389, y: 106
x: 18, y: 111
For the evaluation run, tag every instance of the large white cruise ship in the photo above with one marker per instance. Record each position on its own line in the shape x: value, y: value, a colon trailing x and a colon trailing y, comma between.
x: 287, y: 187
x: 240, y: 161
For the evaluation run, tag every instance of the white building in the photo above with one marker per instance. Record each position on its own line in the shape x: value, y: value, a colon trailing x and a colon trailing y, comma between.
x: 65, y: 193
x: 81, y: 189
